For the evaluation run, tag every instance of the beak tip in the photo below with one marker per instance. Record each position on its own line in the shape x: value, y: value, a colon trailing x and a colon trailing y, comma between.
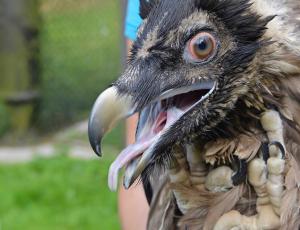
x: 129, y: 180
x: 95, y: 140
x: 127, y: 183
x: 97, y: 149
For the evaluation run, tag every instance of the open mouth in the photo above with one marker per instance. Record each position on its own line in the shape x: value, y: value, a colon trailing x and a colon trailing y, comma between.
x: 155, y: 120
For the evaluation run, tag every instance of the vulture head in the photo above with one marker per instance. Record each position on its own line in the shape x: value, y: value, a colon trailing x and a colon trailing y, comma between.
x: 199, y: 70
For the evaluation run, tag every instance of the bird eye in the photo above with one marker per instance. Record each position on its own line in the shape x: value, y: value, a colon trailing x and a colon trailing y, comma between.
x: 202, y: 46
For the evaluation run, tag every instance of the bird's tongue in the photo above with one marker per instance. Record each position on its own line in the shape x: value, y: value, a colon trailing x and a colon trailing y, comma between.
x: 129, y: 153
x: 147, y: 137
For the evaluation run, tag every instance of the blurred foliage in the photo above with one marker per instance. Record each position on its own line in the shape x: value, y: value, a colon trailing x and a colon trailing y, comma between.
x: 4, y: 121
x: 80, y: 56
x: 19, y: 58
x: 57, y: 193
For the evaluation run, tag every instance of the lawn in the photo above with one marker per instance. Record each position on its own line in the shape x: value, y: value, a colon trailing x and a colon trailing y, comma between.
x: 57, y: 193
x: 61, y: 193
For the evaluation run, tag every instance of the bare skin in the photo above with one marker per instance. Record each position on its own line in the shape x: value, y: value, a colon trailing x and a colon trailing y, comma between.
x: 133, y: 206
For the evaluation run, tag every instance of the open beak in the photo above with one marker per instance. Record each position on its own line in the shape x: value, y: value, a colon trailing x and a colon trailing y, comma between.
x: 157, y: 121
x: 109, y: 108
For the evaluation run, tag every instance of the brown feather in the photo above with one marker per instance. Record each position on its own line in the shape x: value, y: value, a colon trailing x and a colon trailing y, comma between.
x: 220, y: 151
x: 290, y: 207
x: 292, y: 178
x: 291, y: 101
x: 200, y: 200
x: 162, y: 208
x: 247, y: 147
x: 290, y: 210
x: 223, y: 204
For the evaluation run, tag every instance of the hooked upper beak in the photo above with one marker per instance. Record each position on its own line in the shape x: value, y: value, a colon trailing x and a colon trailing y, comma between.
x: 109, y: 108
x: 157, y: 121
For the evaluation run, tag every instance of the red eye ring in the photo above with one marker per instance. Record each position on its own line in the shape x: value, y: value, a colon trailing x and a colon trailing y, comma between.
x: 202, y: 46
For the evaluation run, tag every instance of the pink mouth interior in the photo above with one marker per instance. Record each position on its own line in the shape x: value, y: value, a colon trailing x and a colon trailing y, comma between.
x: 172, y: 110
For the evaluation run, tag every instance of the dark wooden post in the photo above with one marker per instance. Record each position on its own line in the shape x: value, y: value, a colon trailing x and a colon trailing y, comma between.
x: 19, y: 60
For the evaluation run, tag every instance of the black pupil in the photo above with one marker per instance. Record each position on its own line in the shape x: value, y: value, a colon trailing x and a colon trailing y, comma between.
x: 202, y: 44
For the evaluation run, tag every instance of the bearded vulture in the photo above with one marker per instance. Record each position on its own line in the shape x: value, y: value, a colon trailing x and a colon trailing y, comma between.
x: 216, y: 84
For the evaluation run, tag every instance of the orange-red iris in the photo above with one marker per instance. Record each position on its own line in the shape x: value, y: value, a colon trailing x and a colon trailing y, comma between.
x: 202, y: 46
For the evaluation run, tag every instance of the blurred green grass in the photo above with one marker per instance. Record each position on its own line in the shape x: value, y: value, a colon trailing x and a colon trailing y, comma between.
x: 80, y: 56
x: 60, y: 192
x: 57, y: 193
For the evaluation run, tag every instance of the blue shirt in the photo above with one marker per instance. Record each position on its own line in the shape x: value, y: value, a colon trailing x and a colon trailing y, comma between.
x: 133, y: 19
